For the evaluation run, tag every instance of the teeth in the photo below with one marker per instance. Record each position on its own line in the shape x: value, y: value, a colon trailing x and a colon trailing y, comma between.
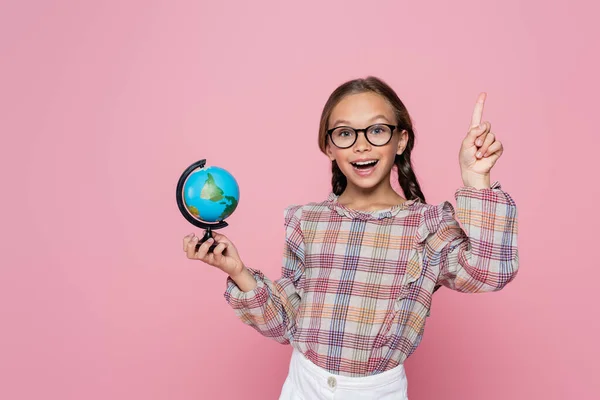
x: 365, y: 162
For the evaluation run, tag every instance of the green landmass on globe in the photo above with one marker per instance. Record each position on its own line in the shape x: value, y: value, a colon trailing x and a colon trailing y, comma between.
x: 230, y: 207
x: 211, y: 191
x: 194, y: 211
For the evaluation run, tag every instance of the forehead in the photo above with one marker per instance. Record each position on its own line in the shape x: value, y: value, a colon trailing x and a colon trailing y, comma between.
x: 361, y: 108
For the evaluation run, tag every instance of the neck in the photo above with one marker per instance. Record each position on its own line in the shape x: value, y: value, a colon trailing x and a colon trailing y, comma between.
x: 379, y: 197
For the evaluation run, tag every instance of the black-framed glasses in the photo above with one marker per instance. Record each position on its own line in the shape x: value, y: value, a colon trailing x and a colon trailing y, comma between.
x: 344, y: 137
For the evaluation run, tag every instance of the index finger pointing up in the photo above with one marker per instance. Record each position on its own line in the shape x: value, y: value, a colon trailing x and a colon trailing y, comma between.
x: 478, y: 111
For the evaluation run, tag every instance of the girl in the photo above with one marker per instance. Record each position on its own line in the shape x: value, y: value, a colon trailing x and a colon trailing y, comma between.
x: 360, y: 268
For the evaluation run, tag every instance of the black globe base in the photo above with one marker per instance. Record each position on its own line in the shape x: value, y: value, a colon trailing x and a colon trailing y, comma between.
x: 207, y: 235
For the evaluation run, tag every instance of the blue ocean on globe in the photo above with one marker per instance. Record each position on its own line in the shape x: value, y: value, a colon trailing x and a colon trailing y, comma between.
x: 211, y: 194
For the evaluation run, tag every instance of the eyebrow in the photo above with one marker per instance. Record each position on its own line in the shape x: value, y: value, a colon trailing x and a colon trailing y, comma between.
x: 344, y: 122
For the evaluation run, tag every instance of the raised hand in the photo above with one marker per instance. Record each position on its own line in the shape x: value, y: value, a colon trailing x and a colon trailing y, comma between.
x: 225, y: 256
x: 479, y: 150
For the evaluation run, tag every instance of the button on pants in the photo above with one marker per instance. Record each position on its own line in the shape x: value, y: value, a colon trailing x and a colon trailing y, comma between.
x: 307, y: 381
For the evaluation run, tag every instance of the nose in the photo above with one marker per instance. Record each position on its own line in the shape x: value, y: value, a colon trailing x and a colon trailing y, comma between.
x: 361, y: 144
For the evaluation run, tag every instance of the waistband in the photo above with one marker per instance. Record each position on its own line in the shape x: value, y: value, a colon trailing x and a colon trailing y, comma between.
x: 348, y: 382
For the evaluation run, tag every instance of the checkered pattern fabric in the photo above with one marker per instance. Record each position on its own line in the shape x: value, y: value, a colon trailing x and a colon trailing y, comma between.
x: 356, y: 287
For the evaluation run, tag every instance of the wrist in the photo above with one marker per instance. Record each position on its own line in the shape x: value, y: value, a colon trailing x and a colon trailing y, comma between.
x: 244, y: 279
x: 237, y: 272
x: 477, y: 181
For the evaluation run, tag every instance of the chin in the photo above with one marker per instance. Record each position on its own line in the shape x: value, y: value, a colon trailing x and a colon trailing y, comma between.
x: 365, y: 185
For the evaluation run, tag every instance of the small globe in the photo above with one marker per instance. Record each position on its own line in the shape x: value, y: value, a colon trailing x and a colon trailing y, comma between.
x: 211, y: 194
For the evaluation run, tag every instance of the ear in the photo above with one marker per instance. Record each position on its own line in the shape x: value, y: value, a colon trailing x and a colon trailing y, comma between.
x: 329, y: 152
x: 402, y: 142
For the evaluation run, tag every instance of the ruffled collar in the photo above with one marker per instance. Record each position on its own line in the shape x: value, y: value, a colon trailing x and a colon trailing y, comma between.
x: 332, y: 202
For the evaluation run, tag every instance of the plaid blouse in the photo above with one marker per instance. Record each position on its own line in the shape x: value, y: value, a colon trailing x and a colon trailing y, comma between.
x: 356, y: 286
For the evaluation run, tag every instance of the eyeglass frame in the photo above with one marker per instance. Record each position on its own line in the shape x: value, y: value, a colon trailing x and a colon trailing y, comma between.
x: 364, y: 131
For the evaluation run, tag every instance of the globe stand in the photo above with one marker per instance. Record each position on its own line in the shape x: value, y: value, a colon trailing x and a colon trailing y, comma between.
x: 208, y: 227
x: 207, y: 235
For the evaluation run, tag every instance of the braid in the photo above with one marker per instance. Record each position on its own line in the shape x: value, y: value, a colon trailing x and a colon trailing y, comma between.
x: 338, y: 179
x: 407, y: 178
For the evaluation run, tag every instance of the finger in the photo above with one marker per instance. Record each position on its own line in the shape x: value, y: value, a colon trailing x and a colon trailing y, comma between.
x: 220, y: 248
x: 186, y: 241
x: 478, y: 132
x: 191, y: 248
x: 203, y: 249
x: 489, y: 140
x: 495, y: 149
x: 478, y: 111
x: 218, y: 251
x: 485, y: 128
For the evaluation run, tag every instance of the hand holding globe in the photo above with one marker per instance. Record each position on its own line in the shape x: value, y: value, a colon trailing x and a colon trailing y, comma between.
x: 223, y: 256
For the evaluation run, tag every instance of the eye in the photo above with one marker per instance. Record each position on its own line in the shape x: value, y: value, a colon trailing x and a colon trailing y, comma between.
x: 377, y: 130
x: 343, y: 133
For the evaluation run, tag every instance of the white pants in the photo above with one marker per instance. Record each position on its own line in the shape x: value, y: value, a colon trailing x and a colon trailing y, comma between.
x: 307, y: 381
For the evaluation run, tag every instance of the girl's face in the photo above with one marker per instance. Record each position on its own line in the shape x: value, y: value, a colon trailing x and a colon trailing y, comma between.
x: 365, y: 165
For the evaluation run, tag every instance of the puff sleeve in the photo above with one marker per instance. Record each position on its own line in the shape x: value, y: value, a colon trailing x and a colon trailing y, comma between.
x: 270, y: 308
x: 482, y: 256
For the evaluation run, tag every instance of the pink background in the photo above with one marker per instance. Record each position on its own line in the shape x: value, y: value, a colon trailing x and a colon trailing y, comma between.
x: 104, y: 104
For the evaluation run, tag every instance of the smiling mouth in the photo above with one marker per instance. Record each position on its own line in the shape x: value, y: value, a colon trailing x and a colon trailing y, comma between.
x: 364, y: 164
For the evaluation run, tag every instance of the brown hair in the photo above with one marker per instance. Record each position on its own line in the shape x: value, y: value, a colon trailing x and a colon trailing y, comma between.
x: 406, y: 176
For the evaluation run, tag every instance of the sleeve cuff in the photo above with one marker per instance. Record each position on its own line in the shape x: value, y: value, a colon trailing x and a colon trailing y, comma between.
x: 494, y: 194
x: 471, y: 190
x: 255, y: 298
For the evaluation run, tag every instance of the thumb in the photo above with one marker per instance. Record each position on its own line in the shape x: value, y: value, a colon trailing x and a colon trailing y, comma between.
x: 221, y: 238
